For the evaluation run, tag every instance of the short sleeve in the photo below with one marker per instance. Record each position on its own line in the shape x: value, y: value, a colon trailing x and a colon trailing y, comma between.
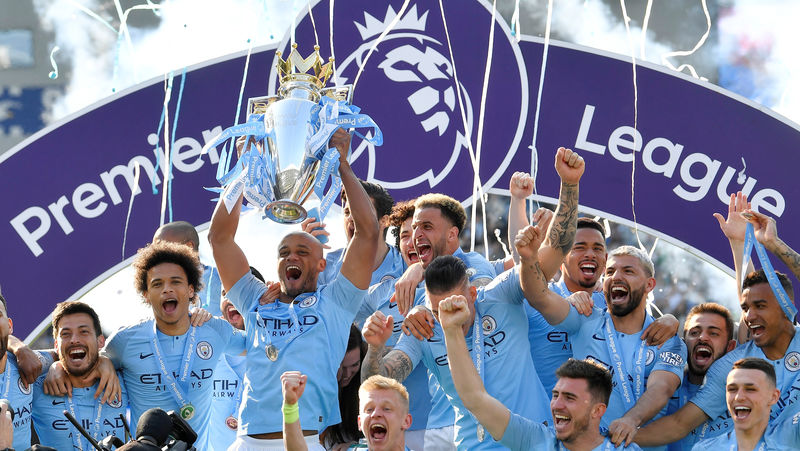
x: 504, y: 289
x: 246, y: 292
x: 522, y: 433
x: 345, y: 295
x: 234, y: 340
x: 573, y: 322
x: 115, y: 348
x: 672, y: 357
x: 411, y: 347
x: 710, y: 398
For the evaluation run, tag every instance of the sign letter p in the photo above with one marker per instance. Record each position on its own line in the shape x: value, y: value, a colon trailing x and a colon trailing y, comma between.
x: 31, y: 237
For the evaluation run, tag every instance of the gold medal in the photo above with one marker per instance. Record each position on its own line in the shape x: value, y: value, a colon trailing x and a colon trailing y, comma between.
x: 232, y: 423
x: 272, y: 352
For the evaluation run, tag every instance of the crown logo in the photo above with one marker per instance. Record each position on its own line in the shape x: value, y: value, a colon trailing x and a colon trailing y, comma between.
x: 297, y: 67
x: 410, y: 21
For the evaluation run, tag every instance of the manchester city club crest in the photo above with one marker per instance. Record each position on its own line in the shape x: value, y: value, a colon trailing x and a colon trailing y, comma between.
x: 650, y: 357
x: 435, y: 87
x: 204, y: 350
x: 792, y: 361
x: 488, y: 324
x: 22, y: 388
x: 308, y: 302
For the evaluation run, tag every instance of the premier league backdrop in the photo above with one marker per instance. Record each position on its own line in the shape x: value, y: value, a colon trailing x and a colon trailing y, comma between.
x: 67, y: 190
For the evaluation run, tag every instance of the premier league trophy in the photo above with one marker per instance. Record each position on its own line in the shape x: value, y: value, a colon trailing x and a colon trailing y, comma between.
x: 285, y: 158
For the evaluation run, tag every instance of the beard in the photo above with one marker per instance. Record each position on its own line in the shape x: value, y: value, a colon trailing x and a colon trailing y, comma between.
x: 579, y: 427
x: 634, y: 300
x: 91, y: 358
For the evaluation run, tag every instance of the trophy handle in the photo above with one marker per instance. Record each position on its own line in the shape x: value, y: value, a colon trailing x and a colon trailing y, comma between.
x: 258, y: 105
x: 343, y: 92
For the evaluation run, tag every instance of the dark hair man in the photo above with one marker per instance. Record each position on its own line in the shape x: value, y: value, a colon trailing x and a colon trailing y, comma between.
x: 708, y: 335
x: 167, y: 362
x: 497, y: 330
x: 78, y: 339
x: 182, y: 232
x: 306, y: 327
x: 750, y: 392
x: 387, y: 263
x: 646, y: 376
x: 579, y: 399
x: 774, y: 338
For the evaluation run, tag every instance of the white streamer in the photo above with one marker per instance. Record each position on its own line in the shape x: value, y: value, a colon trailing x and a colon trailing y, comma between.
x: 134, y: 192
x: 534, y: 149
x: 627, y: 19
x: 333, y: 54
x: 379, y: 40
x: 665, y: 57
x: 167, y: 154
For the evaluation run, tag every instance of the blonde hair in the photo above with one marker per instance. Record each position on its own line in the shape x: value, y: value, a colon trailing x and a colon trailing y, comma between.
x: 378, y: 382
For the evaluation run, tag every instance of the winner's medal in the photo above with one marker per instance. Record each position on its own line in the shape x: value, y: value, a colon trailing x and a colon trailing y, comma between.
x: 232, y: 422
x: 187, y: 411
x: 481, y: 433
x: 272, y: 352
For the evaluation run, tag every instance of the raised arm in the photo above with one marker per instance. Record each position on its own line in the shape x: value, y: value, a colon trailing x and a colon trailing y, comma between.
x: 231, y: 261
x: 766, y: 232
x: 660, y: 387
x: 491, y: 413
x: 671, y: 428
x: 379, y: 359
x: 360, y: 253
x: 293, y: 383
x: 553, y: 307
x: 734, y: 226
x: 561, y: 233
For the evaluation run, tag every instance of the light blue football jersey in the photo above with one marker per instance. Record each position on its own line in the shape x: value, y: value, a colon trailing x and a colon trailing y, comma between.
x: 509, y: 374
x: 309, y: 336
x: 132, y: 352
x: 99, y: 420
x: 391, y: 267
x: 228, y: 386
x: 20, y: 397
x: 524, y: 434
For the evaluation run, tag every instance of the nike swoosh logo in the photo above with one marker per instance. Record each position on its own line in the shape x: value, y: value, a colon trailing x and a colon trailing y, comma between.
x: 144, y: 356
x: 55, y: 403
x: 598, y: 338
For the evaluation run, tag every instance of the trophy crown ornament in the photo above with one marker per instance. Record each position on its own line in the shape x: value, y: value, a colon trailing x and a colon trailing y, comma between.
x: 295, y: 67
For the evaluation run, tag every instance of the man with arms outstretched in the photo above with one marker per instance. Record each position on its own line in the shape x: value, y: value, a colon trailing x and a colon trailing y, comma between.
x: 306, y: 327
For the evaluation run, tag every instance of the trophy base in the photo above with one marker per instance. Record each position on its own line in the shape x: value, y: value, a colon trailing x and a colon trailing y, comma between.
x: 285, y: 212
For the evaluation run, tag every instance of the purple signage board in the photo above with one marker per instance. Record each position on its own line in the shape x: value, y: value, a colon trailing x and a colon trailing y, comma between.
x: 67, y: 189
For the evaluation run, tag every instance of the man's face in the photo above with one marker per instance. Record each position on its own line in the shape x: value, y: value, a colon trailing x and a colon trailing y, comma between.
x: 168, y: 293
x: 432, y: 234
x: 347, y: 219
x: 571, y: 406
x: 230, y: 314
x: 299, y: 263
x: 407, y: 249
x: 626, y: 284
x: 350, y: 366
x: 706, y: 338
x: 586, y: 260
x: 383, y: 419
x: 750, y: 396
x: 762, y: 314
x: 77, y: 343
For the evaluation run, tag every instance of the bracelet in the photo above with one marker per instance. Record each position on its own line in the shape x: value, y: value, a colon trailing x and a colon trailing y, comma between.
x: 291, y: 413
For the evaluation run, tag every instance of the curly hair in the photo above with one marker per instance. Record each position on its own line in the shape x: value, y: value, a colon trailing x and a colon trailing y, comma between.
x: 400, y: 213
x: 165, y: 252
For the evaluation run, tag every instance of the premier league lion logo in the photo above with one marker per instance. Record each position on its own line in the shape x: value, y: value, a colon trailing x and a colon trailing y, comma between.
x: 425, y: 91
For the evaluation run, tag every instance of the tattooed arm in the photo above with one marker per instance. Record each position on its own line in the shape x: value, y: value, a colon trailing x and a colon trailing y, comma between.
x: 379, y: 359
x: 553, y: 307
x: 766, y: 232
x: 561, y: 232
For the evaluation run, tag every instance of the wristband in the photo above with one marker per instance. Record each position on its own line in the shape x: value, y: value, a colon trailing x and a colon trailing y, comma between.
x: 291, y: 413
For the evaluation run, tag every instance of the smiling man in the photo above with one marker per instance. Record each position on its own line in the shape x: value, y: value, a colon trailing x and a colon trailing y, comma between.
x: 708, y: 335
x: 750, y: 393
x: 580, y: 397
x: 775, y: 339
x: 646, y: 376
x: 166, y: 362
x: 305, y: 326
x: 78, y: 338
